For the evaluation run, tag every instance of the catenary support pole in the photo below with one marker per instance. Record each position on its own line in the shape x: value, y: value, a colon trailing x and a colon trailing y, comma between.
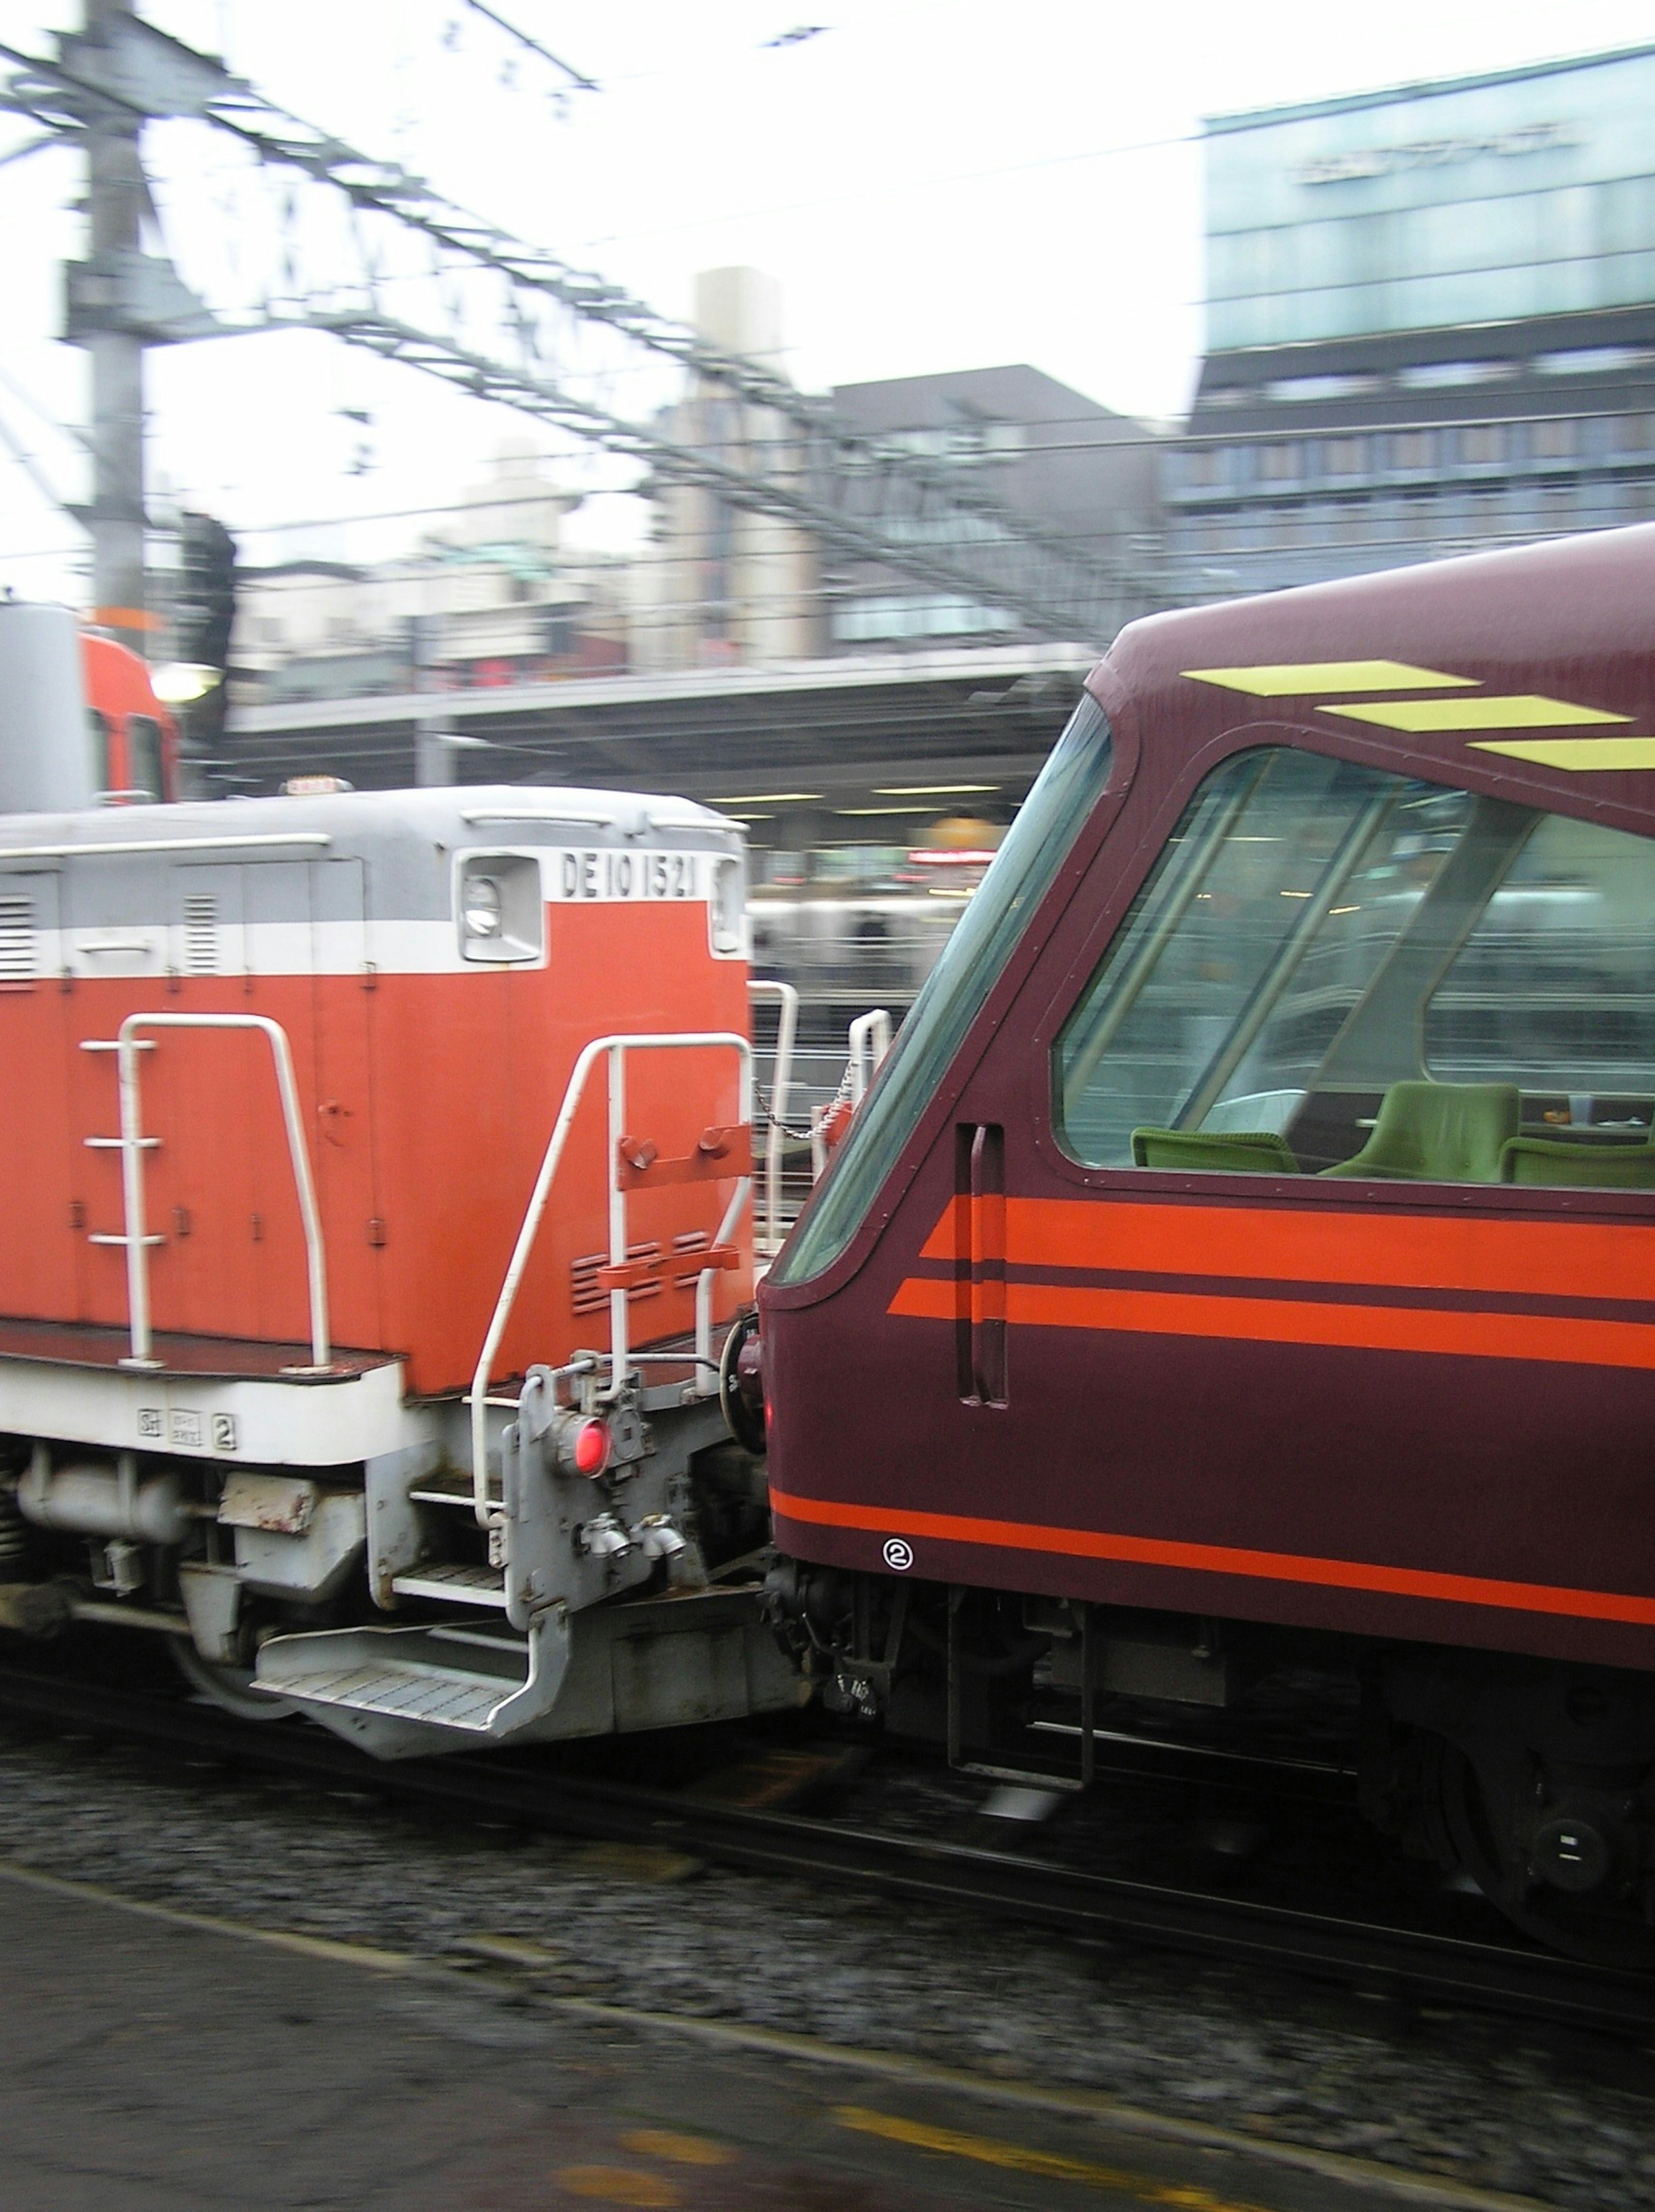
x: 115, y: 200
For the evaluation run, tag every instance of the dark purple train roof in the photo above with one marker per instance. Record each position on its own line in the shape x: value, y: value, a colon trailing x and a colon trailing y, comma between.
x: 1529, y: 672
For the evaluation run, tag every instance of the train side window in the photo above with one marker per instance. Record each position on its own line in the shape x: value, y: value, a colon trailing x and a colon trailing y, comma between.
x: 1554, y: 988
x: 1048, y: 823
x: 99, y: 725
x: 1335, y: 970
x: 1269, y: 913
x: 144, y: 755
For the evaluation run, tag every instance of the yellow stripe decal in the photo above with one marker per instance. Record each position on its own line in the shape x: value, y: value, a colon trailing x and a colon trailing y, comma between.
x: 1526, y: 711
x: 1050, y: 2166
x: 1574, y: 753
x: 1301, y: 679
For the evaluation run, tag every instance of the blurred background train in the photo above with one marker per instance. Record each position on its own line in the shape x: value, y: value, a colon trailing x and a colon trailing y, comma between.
x: 854, y: 932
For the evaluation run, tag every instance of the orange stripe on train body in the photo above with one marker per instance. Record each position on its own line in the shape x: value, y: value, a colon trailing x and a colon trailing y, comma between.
x: 1213, y: 1314
x: 1483, y: 1254
x: 1226, y: 1559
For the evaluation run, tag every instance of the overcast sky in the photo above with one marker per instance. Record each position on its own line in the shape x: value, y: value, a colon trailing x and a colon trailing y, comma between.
x: 938, y: 183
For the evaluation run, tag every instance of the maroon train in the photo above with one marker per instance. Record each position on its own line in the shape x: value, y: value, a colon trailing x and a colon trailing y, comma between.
x: 1246, y: 1256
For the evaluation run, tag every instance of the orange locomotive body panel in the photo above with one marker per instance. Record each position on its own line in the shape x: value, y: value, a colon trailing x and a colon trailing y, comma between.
x: 431, y: 1067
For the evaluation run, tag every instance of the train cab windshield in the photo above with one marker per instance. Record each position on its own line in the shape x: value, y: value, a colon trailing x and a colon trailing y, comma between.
x: 1334, y: 970
x: 954, y: 994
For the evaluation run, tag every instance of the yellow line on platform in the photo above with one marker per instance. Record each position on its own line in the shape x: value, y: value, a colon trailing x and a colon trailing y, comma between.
x: 203, y: 1923
x: 1050, y: 2166
x: 1443, y: 2195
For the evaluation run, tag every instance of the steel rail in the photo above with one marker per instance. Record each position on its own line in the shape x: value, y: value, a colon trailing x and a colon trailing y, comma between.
x: 1407, y: 1965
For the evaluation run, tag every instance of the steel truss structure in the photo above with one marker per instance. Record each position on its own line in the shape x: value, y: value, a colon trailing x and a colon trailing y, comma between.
x: 408, y: 275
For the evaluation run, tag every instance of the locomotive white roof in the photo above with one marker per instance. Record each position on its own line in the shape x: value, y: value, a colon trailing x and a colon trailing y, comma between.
x: 360, y: 823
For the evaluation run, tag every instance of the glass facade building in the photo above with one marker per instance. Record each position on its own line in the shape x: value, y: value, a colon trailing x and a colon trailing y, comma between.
x: 1431, y: 326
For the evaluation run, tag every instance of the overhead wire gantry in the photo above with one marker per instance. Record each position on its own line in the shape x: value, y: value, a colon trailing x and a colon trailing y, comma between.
x: 410, y: 276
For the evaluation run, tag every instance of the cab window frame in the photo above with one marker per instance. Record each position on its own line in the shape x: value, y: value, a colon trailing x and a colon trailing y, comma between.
x: 1122, y: 895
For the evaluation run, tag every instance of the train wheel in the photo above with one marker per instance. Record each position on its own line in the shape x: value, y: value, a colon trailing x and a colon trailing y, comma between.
x: 228, y: 1686
x: 1606, y: 1925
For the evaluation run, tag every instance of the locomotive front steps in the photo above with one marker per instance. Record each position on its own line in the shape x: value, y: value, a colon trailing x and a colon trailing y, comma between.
x: 455, y: 1584
x: 688, y: 1656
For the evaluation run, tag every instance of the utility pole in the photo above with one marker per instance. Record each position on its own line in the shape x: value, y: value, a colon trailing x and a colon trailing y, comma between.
x: 116, y: 194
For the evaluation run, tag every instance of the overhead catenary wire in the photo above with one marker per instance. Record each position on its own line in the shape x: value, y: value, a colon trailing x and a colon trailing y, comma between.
x: 1049, y: 578
x: 1108, y: 536
x: 576, y: 78
x: 1634, y: 394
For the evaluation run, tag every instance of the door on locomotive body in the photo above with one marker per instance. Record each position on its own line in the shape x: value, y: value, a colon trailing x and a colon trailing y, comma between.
x: 285, y: 939
x: 1287, y: 1253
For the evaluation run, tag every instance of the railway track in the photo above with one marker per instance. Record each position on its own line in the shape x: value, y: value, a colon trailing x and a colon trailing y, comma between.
x: 1408, y: 1966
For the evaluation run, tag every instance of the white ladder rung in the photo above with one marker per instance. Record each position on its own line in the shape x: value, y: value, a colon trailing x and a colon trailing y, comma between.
x: 98, y: 1236
x: 114, y: 1143
x: 113, y: 1044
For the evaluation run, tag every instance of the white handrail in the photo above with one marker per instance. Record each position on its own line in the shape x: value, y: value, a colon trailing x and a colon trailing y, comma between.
x: 787, y: 1032
x: 133, y: 1148
x: 870, y: 1041
x: 617, y: 1047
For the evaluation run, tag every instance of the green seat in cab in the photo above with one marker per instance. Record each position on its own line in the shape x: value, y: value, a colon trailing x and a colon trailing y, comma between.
x: 1556, y: 1162
x: 1231, y: 1152
x: 1438, y: 1132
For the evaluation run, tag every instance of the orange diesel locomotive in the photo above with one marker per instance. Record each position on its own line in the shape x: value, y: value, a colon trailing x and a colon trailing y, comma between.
x: 324, y: 1116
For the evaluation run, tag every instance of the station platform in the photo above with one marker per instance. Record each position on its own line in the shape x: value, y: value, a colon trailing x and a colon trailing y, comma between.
x: 153, y: 2062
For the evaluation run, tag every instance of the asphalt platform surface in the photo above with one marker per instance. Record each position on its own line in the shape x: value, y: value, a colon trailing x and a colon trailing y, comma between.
x: 147, y: 2064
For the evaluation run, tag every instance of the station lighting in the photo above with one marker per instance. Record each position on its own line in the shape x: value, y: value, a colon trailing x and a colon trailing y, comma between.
x: 930, y: 790
x: 179, y: 682
x: 771, y: 799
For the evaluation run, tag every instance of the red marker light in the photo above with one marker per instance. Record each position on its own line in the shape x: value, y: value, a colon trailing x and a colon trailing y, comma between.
x: 592, y: 1448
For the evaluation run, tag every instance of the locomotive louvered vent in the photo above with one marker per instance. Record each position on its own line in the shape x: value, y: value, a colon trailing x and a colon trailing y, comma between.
x: 17, y: 939
x: 201, y: 934
x: 588, y: 1299
x: 693, y: 1240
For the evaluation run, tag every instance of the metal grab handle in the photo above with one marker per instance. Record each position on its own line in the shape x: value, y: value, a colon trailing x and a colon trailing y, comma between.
x: 617, y: 1047
x: 133, y: 1146
x: 870, y: 1041
x: 787, y: 1032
